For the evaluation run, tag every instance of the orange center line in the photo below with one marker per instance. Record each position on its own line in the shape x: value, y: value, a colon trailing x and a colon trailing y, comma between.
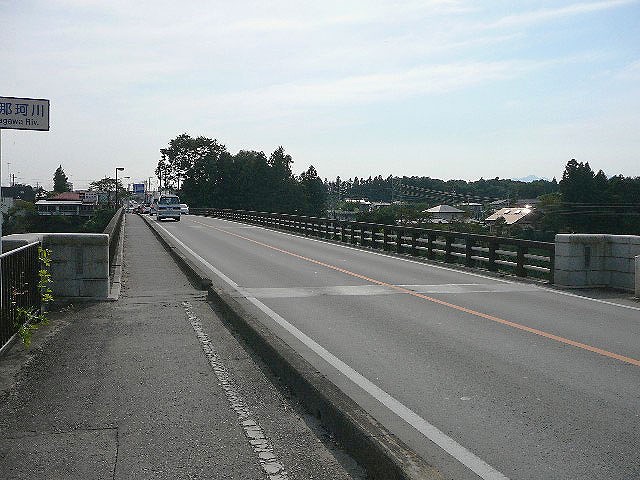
x: 486, y: 316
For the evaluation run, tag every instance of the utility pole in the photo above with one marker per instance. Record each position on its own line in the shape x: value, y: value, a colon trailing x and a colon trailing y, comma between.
x: 116, y: 188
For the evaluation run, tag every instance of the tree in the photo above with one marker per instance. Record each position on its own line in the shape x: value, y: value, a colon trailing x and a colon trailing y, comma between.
x: 577, y: 184
x: 315, y: 194
x: 60, y: 181
x: 107, y: 184
x: 177, y: 160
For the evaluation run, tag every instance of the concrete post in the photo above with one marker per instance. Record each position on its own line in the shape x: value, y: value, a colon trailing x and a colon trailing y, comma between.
x: 638, y: 276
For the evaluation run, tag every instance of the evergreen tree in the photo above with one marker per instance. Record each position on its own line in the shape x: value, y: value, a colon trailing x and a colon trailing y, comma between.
x: 60, y: 181
x: 315, y: 195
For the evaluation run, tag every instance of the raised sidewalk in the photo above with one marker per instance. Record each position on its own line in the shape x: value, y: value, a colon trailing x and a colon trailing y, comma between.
x: 151, y: 386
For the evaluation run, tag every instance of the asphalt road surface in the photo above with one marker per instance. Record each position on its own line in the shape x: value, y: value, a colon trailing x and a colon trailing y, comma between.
x: 484, y: 377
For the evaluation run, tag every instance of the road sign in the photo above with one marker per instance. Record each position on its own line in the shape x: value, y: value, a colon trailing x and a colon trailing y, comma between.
x: 24, y: 113
x: 138, y: 188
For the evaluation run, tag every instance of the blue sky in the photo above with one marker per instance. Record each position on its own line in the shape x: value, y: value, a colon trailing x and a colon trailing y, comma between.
x: 447, y: 89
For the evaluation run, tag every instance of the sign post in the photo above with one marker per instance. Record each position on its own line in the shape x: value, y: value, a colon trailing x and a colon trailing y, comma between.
x: 20, y: 114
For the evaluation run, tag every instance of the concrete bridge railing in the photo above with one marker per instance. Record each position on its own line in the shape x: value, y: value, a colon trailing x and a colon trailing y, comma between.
x: 586, y: 260
x: 83, y: 265
x: 79, y: 262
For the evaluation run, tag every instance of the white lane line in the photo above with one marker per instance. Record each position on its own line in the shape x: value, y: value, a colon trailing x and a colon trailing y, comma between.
x: 446, y: 443
x: 441, y: 267
x: 252, y: 429
x: 368, y: 290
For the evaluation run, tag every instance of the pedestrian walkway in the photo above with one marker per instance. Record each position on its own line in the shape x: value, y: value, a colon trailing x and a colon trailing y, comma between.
x: 152, y: 386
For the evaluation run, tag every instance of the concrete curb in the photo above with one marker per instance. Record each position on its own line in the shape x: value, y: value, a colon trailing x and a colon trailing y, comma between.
x: 116, y: 280
x: 383, y: 455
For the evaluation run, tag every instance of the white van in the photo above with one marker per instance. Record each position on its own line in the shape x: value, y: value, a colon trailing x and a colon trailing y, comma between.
x: 168, y: 206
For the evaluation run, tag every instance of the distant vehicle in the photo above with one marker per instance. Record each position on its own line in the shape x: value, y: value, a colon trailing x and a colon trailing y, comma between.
x: 184, y: 209
x: 168, y: 206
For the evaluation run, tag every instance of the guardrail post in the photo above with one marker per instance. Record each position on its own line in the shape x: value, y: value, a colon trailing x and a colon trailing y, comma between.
x: 353, y: 233
x: 520, y: 270
x: 448, y: 240
x: 493, y: 266
x: 399, y: 235
x: 385, y: 239
x: 552, y: 264
x: 430, y: 253
x: 468, y: 251
x: 414, y: 243
x: 343, y: 237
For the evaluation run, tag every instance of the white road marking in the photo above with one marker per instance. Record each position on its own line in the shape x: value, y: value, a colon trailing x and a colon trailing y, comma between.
x: 446, y: 443
x: 366, y: 290
x: 252, y: 429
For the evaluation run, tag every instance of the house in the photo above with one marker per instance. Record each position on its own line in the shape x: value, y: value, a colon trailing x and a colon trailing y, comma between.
x: 68, y: 204
x: 523, y: 217
x: 444, y: 212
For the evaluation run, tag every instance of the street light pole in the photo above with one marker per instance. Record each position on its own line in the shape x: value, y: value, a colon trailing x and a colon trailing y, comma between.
x: 116, y: 187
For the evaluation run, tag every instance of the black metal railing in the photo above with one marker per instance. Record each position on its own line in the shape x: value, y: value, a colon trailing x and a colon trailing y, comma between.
x: 498, y: 254
x: 113, y: 230
x: 19, y: 272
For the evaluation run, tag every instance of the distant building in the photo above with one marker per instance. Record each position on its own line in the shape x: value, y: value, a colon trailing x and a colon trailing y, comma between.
x: 523, y: 217
x: 473, y: 209
x: 68, y: 204
x: 67, y: 197
x: 444, y: 212
x: 365, y: 205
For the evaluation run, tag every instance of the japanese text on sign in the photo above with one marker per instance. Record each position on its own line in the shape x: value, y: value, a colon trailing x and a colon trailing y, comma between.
x: 24, y: 113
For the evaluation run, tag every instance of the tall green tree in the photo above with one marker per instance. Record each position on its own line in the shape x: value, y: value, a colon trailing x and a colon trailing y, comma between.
x: 178, y: 160
x: 60, y: 181
x: 315, y: 194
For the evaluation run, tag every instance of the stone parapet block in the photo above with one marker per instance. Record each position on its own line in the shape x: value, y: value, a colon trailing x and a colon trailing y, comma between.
x: 79, y: 262
x: 586, y: 260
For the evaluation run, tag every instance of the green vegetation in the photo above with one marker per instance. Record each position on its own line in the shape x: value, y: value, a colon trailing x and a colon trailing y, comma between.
x: 582, y: 202
x: 206, y: 175
x: 28, y: 320
x: 435, y: 191
x: 23, y: 218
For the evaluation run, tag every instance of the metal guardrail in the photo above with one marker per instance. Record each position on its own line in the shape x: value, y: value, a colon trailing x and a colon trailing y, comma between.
x: 497, y: 254
x: 19, y: 270
x: 113, y: 230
